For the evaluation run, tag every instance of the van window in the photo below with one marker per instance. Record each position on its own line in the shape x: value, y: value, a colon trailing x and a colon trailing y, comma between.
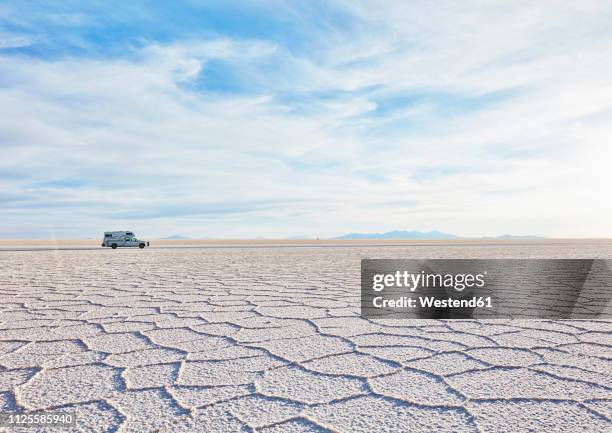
x: 129, y: 233
x: 108, y: 235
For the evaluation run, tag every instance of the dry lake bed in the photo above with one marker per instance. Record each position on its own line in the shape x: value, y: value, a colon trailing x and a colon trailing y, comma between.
x: 266, y: 339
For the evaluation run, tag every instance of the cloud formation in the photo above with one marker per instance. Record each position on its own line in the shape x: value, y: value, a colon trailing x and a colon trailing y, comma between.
x: 295, y: 120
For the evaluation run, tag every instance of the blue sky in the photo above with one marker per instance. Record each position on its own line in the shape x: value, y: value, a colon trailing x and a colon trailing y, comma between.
x: 279, y: 119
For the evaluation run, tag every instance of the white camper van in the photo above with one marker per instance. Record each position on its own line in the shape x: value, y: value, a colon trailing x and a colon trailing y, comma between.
x: 122, y: 239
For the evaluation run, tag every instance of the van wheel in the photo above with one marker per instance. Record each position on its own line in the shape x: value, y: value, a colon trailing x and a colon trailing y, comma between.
x: 141, y: 246
x: 114, y: 246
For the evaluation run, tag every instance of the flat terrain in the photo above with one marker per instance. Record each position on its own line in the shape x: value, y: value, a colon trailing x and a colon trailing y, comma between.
x: 268, y: 338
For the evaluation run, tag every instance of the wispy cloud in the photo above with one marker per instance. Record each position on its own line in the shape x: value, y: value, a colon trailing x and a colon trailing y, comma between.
x: 8, y: 41
x: 476, y: 119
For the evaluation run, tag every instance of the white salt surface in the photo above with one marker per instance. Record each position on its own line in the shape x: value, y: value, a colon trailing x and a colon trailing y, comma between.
x: 270, y: 340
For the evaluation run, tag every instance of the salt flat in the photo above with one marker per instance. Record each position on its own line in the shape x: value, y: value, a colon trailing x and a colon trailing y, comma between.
x: 269, y: 339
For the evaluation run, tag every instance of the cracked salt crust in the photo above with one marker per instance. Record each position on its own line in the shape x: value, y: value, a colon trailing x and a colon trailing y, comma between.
x: 270, y: 340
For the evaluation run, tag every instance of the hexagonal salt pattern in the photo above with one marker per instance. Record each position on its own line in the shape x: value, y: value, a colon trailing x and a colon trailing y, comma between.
x: 269, y: 340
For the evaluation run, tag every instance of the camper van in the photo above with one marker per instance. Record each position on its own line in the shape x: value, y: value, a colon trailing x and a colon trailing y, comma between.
x: 122, y: 239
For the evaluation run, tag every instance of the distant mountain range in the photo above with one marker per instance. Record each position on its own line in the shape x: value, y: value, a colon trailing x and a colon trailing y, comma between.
x: 176, y: 237
x: 432, y: 235
x: 516, y: 237
x: 399, y: 234
x: 396, y: 234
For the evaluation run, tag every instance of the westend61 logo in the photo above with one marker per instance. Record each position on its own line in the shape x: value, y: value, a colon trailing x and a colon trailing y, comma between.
x: 412, y: 281
x: 488, y: 289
